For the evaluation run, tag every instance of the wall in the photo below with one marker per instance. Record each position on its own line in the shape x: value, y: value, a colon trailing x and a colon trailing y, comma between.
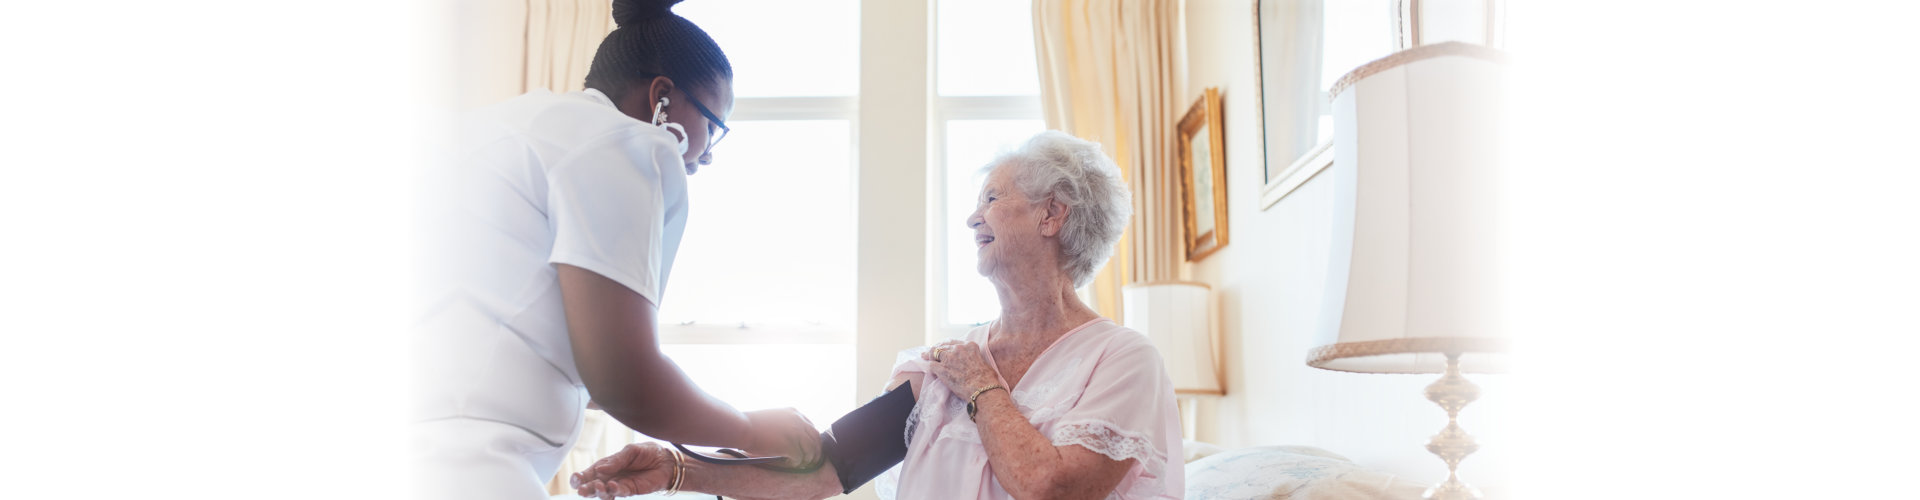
x: 1268, y: 281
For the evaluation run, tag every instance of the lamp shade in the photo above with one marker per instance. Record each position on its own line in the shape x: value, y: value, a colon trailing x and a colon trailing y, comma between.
x: 1414, y: 272
x: 1178, y: 317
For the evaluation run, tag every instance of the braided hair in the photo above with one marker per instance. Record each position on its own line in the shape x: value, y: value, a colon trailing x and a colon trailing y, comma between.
x: 650, y: 40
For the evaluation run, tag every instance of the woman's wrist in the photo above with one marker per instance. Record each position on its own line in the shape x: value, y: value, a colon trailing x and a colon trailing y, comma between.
x: 978, y: 400
x: 696, y: 477
x: 702, y: 477
x: 979, y: 383
x: 677, y: 475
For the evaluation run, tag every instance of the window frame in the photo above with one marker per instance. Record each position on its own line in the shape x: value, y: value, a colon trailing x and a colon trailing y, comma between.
x: 752, y: 109
x: 940, y: 110
x: 946, y: 109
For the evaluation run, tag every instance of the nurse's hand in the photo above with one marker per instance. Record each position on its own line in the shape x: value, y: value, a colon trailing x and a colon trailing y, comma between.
x: 784, y: 432
x: 637, y: 469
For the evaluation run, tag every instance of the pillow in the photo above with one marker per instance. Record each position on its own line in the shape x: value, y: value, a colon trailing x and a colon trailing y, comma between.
x: 1292, y: 473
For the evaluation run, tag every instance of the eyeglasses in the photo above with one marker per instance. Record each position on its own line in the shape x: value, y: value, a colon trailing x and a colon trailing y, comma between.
x: 713, y: 139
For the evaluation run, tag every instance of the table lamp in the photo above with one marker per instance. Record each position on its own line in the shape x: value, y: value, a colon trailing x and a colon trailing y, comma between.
x: 1178, y: 317
x: 1413, y: 285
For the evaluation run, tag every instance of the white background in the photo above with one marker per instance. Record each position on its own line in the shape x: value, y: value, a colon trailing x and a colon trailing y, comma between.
x: 202, y: 286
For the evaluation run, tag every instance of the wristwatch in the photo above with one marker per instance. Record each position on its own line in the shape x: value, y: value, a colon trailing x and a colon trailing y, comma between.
x: 973, y: 402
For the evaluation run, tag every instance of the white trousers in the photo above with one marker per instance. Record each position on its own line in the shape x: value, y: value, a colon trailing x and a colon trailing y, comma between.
x: 493, y: 420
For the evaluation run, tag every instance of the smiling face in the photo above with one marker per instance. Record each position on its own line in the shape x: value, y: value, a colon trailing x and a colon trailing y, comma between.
x: 1013, y: 235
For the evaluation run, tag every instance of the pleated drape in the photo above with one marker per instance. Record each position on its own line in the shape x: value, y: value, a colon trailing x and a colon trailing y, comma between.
x: 508, y: 47
x: 1109, y: 72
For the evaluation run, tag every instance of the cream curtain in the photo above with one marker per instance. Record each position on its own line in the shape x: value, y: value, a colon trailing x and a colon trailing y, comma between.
x: 508, y: 47
x: 1109, y: 72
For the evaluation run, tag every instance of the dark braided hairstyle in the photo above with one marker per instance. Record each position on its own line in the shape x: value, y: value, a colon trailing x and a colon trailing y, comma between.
x: 649, y: 40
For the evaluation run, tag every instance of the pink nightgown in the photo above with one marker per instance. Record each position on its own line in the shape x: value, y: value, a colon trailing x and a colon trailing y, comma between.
x: 1101, y: 386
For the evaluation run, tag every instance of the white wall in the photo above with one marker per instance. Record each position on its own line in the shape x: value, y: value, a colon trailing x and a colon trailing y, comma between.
x: 1268, y: 280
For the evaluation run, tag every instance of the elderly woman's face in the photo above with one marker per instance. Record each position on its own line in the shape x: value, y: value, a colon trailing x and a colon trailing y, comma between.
x: 1006, y: 225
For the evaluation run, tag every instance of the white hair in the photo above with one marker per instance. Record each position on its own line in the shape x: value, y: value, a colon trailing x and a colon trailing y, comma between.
x: 1074, y: 172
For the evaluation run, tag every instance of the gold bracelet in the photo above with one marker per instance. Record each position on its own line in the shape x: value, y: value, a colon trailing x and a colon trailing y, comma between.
x: 679, y: 472
x: 973, y: 402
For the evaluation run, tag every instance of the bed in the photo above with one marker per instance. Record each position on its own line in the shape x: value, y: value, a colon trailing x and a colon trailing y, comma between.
x: 1267, y: 473
x: 1287, y: 473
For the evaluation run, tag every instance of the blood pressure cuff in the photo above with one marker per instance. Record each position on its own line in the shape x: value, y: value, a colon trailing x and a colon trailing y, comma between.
x: 869, y: 440
x: 861, y: 445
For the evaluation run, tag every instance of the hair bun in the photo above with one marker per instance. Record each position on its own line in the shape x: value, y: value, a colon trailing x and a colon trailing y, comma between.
x: 628, y: 12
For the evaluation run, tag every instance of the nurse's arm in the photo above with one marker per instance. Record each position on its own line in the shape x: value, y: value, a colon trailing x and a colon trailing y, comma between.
x: 615, y: 347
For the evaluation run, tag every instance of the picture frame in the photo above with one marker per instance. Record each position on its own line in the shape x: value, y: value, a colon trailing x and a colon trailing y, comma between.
x: 1203, y: 176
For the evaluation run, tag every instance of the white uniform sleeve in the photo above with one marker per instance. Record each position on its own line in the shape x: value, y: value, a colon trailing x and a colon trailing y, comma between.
x: 607, y: 210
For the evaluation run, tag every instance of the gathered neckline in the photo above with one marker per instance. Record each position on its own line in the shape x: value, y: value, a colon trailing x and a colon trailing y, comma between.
x: 986, y: 350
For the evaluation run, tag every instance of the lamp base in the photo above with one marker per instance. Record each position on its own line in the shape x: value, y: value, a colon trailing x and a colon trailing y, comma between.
x: 1451, y: 489
x: 1452, y: 392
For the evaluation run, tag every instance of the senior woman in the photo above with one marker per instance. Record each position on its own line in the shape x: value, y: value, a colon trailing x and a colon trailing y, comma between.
x: 1050, y: 400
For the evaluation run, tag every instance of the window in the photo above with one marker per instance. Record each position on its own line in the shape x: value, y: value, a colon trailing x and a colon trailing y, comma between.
x: 779, y: 192
x: 985, y: 48
x: 764, y: 281
x: 970, y: 144
x: 1353, y: 33
x: 987, y: 101
x: 782, y: 48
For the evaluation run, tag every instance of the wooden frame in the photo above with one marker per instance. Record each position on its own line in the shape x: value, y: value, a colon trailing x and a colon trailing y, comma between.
x: 1203, y: 176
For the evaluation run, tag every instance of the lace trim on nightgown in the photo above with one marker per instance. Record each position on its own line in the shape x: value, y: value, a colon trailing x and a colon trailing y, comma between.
x: 913, y: 422
x: 1117, y: 444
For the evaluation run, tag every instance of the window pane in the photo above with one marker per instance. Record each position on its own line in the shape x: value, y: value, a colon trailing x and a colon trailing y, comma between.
x: 1453, y: 20
x: 985, y: 47
x: 769, y: 237
x: 970, y: 145
x: 1354, y: 33
x: 783, y: 48
x: 816, y: 379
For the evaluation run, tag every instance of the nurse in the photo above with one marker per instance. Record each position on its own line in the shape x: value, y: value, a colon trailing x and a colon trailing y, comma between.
x: 545, y: 245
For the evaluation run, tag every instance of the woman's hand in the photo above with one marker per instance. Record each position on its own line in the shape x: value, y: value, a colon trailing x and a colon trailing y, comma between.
x: 637, y: 469
x: 962, y: 366
x: 784, y: 432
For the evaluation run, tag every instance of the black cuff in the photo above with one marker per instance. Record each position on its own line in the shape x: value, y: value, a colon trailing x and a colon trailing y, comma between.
x: 869, y: 440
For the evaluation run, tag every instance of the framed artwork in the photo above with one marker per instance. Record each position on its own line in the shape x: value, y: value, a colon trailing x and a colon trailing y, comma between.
x: 1203, y: 177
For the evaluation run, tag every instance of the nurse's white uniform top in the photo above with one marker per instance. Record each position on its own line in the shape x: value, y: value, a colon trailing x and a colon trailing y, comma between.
x: 538, y: 180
